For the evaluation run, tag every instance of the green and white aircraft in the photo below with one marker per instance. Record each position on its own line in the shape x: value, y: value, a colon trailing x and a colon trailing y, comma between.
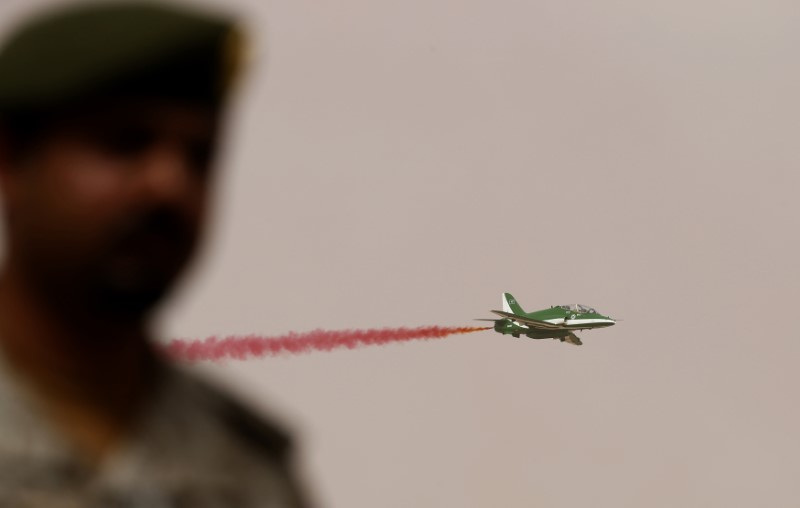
x: 557, y: 322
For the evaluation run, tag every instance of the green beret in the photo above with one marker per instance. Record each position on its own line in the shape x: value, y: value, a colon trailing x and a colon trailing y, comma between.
x: 134, y: 47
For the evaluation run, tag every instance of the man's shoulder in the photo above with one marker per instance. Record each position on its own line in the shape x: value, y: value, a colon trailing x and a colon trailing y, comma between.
x: 222, y: 412
x: 194, y: 445
x: 195, y: 439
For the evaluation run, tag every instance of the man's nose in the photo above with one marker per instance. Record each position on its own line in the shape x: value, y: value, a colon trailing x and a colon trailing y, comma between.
x: 168, y: 176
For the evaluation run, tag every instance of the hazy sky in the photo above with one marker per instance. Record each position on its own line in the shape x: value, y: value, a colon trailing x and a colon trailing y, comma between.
x: 405, y: 162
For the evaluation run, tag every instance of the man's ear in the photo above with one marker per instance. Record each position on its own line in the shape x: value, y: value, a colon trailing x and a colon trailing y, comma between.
x: 5, y: 152
x: 7, y: 167
x: 5, y: 156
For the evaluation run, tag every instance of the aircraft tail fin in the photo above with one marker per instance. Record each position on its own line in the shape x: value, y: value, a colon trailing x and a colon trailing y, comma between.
x: 510, y: 304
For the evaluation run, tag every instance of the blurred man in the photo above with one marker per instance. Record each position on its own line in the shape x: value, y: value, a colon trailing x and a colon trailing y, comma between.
x: 109, y: 117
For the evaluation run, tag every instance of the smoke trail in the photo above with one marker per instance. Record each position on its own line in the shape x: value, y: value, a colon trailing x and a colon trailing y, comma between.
x: 246, y: 346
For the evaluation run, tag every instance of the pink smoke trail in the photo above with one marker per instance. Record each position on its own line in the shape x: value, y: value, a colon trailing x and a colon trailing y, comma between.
x: 254, y: 346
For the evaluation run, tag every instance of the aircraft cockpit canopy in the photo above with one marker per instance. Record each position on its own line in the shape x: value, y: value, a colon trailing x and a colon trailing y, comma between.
x: 582, y: 309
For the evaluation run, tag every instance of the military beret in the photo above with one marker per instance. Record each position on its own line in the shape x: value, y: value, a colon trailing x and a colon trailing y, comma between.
x: 133, y: 47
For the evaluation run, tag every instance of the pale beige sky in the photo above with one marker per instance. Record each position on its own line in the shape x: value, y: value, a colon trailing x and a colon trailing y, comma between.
x: 403, y: 163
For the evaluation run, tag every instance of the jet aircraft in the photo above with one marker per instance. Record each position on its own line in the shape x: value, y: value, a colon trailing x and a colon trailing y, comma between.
x: 557, y: 322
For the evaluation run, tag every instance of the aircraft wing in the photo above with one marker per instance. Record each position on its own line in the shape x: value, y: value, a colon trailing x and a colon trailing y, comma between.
x: 572, y: 339
x: 536, y: 324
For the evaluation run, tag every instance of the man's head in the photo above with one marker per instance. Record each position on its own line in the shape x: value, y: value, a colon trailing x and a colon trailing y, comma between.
x: 105, y: 172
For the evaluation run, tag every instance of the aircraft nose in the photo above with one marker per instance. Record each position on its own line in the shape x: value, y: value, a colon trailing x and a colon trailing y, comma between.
x: 609, y: 321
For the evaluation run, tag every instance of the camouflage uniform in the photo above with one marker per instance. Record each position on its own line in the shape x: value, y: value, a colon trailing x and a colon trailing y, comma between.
x: 192, y: 448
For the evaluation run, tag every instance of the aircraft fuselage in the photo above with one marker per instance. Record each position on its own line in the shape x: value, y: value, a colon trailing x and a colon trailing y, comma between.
x: 557, y: 322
